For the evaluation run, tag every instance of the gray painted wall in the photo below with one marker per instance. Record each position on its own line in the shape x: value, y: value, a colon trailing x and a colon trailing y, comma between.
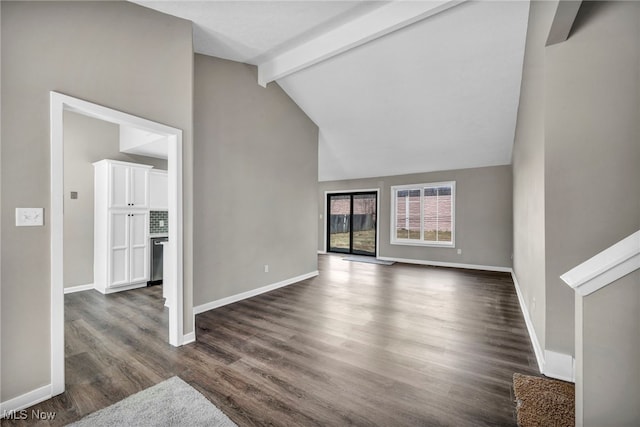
x: 576, y: 155
x: 528, y: 170
x: 86, y: 140
x: 483, y: 215
x: 256, y: 179
x: 592, y: 150
x: 115, y: 54
x: 608, y: 379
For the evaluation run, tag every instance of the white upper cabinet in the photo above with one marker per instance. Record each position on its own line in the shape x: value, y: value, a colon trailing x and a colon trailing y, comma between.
x: 129, y: 184
x: 158, y: 190
x: 139, y: 187
x: 118, y: 194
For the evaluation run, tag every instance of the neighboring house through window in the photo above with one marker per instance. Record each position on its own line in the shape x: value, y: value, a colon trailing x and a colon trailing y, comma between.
x: 423, y: 214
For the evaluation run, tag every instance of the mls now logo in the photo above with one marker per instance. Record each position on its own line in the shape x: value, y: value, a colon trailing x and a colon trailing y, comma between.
x: 35, y: 414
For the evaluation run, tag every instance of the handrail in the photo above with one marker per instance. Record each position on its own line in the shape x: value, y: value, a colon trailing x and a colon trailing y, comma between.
x: 605, y: 267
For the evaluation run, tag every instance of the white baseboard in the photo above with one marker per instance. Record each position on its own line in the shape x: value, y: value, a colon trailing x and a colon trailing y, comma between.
x: 537, y: 348
x: 252, y: 293
x: 24, y: 401
x: 447, y: 264
x: 559, y: 365
x: 121, y: 288
x: 189, y: 338
x: 322, y: 252
x: 78, y: 288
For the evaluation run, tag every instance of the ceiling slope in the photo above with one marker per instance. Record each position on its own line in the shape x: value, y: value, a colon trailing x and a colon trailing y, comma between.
x: 441, y: 93
x: 362, y: 29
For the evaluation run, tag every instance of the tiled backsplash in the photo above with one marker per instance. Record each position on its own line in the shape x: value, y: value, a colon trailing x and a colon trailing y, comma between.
x: 154, y: 222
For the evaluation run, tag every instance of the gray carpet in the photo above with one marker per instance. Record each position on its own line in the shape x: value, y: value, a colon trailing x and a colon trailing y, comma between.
x: 368, y: 260
x: 170, y: 403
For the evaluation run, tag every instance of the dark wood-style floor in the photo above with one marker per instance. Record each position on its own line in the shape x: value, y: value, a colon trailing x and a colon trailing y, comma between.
x: 361, y: 344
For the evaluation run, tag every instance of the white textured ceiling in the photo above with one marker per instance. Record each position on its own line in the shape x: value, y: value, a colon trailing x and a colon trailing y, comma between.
x: 249, y: 31
x: 439, y: 94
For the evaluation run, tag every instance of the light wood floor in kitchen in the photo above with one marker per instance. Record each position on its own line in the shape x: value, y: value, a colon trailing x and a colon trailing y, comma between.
x: 361, y: 344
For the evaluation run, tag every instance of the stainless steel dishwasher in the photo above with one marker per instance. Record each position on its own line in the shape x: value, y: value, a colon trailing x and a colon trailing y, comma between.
x: 157, y: 249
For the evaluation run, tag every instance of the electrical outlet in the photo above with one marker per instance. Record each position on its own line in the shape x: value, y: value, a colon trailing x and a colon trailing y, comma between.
x: 266, y: 268
x: 459, y: 251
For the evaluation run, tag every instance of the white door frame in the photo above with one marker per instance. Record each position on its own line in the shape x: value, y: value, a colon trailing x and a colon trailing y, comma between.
x: 59, y: 103
x: 326, y: 214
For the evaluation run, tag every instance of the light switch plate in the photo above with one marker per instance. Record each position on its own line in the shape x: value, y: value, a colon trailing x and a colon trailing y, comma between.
x: 29, y: 217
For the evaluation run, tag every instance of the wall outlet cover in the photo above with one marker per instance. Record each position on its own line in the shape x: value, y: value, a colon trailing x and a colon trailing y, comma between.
x: 29, y: 217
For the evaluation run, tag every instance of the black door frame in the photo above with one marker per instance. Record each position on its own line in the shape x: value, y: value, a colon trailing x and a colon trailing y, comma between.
x: 328, y: 221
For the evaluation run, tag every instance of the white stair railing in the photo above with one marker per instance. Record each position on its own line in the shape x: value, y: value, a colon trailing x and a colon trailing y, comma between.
x: 607, y: 344
x: 606, y: 267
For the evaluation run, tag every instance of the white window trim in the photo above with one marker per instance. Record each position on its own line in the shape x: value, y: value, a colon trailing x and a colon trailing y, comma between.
x: 414, y: 242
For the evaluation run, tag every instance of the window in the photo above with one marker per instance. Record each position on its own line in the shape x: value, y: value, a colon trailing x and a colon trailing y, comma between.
x: 423, y: 214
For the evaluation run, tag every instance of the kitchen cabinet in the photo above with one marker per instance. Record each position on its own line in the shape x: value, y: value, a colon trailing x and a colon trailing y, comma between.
x: 128, y: 250
x: 121, y: 225
x: 158, y: 190
x: 129, y: 183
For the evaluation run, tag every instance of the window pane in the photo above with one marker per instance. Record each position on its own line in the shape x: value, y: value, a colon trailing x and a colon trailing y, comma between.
x: 339, y: 225
x: 408, y: 214
x: 437, y: 214
x: 364, y: 224
x: 445, y: 214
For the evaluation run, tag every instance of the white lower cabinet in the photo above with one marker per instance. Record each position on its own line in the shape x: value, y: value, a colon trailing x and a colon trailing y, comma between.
x: 128, y: 249
x: 139, y: 247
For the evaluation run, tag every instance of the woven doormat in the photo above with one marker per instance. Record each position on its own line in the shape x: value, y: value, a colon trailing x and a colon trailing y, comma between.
x: 542, y: 402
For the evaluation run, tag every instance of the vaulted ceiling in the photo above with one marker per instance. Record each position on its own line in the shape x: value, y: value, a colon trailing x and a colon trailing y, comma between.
x: 395, y: 87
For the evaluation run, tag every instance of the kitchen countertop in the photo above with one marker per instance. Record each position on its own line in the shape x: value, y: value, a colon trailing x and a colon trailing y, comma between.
x: 154, y: 235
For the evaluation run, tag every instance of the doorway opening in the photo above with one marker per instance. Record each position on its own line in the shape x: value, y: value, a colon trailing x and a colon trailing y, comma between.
x: 352, y: 223
x: 60, y: 103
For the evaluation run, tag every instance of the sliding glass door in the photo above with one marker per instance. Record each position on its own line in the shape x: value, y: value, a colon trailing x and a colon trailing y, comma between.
x: 351, y: 223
